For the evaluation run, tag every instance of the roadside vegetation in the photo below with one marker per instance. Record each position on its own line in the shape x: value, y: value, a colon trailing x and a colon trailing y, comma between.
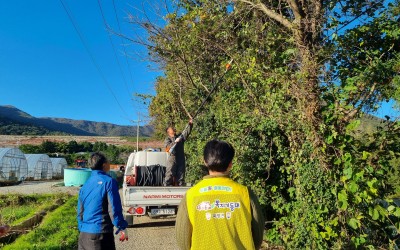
x: 58, y: 230
x: 304, y: 75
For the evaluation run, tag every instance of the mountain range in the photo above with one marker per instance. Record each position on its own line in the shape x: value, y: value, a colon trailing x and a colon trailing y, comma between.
x: 14, y: 121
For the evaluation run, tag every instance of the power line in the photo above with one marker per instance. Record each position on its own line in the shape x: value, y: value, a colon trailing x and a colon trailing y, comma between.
x: 125, y: 53
x: 81, y: 37
x: 113, y: 46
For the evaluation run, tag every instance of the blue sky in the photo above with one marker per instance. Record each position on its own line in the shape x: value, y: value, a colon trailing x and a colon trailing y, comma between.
x: 46, y: 71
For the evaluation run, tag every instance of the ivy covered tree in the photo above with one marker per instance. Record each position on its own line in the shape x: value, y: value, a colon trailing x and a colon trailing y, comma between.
x: 304, y: 73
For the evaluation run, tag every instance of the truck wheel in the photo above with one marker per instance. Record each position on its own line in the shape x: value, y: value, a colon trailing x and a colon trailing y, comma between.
x: 129, y: 219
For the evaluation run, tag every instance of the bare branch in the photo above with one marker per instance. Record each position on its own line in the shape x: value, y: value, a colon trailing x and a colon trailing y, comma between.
x: 353, y: 112
x: 180, y: 96
x: 297, y: 11
x: 270, y: 13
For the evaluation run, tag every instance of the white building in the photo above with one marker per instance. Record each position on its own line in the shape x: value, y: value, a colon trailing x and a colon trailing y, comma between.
x: 39, y: 167
x: 58, y: 167
x: 13, y: 165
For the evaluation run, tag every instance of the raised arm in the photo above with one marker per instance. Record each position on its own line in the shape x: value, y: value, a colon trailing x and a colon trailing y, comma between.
x: 187, y: 130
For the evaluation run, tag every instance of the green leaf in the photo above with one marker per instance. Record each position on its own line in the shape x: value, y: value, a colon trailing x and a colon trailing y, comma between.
x: 353, y: 223
x: 353, y: 186
x: 359, y: 175
x: 353, y: 125
x: 342, y: 197
x: 337, y: 161
x: 329, y: 140
x: 375, y: 214
x: 397, y: 212
x: 348, y: 172
x: 366, y: 155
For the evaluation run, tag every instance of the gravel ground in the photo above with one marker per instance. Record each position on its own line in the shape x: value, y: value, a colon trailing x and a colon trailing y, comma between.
x: 148, y: 233
x: 39, y: 187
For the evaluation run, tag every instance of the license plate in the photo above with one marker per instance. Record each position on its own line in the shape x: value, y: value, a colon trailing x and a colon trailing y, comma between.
x: 163, y: 211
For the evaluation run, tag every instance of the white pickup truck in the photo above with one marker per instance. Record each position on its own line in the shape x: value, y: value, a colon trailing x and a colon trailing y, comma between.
x: 143, y: 193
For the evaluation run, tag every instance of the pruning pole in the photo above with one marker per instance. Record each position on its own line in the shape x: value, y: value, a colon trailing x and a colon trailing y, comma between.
x: 227, y: 68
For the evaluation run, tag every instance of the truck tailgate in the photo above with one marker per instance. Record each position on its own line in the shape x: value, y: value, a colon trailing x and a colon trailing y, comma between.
x: 153, y: 196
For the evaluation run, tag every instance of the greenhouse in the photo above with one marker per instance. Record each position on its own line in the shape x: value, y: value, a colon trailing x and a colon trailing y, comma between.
x: 58, y: 167
x: 13, y: 165
x: 39, y: 167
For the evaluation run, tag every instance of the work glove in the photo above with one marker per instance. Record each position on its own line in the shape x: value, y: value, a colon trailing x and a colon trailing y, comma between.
x: 177, y: 140
x: 123, y: 234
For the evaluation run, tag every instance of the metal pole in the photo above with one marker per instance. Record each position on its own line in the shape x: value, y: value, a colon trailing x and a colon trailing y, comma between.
x: 227, y: 68
x: 137, y: 133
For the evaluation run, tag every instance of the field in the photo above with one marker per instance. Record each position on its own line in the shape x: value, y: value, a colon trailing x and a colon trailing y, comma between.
x: 52, y: 233
x: 35, y: 221
x: 17, y: 140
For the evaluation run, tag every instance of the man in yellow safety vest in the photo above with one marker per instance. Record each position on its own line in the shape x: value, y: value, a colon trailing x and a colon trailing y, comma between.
x: 219, y: 213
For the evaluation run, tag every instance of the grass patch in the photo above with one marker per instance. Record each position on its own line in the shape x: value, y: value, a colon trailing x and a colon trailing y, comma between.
x: 16, y: 208
x: 57, y: 231
x: 13, y: 215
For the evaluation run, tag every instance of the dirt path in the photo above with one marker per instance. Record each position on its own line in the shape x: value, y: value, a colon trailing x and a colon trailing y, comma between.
x: 39, y: 187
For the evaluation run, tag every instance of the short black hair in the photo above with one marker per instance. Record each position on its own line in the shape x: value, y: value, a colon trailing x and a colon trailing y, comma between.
x: 170, y: 126
x: 97, y: 160
x: 218, y: 155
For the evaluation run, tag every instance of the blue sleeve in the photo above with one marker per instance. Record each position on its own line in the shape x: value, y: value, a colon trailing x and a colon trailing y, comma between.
x: 116, y: 206
x: 78, y: 215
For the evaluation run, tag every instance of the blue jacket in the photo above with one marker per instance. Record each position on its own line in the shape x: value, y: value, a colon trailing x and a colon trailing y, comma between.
x: 99, y: 205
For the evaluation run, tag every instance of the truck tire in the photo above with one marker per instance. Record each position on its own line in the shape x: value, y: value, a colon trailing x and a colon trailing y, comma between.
x: 129, y: 219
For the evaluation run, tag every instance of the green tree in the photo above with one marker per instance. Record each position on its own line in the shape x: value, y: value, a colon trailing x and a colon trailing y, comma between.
x: 48, y: 147
x: 100, y: 147
x: 30, y: 149
x: 290, y: 105
x: 86, y: 146
x: 62, y: 147
x: 73, y: 147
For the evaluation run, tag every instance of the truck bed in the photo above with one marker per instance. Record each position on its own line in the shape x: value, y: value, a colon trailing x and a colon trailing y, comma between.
x: 153, y: 196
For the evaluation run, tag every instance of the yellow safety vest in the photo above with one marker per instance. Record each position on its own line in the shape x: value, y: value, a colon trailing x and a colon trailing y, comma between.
x: 220, y: 213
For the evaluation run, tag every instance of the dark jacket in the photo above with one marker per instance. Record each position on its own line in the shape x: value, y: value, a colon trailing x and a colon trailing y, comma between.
x: 99, y: 205
x: 179, y: 151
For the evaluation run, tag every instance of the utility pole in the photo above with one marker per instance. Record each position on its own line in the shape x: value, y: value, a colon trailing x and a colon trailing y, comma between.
x: 137, y: 133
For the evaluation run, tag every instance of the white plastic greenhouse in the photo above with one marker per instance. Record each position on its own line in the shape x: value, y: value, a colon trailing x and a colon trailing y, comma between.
x: 13, y: 165
x: 39, y: 167
x: 58, y: 167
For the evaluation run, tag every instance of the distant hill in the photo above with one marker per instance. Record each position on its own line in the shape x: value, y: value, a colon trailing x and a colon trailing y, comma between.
x: 369, y: 124
x: 14, y: 121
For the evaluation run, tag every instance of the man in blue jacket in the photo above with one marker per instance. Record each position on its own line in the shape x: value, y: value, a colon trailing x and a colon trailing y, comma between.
x: 99, y: 208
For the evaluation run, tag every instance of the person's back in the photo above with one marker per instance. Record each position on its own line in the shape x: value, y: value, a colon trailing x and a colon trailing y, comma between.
x: 96, y: 212
x: 218, y: 213
x: 99, y: 208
